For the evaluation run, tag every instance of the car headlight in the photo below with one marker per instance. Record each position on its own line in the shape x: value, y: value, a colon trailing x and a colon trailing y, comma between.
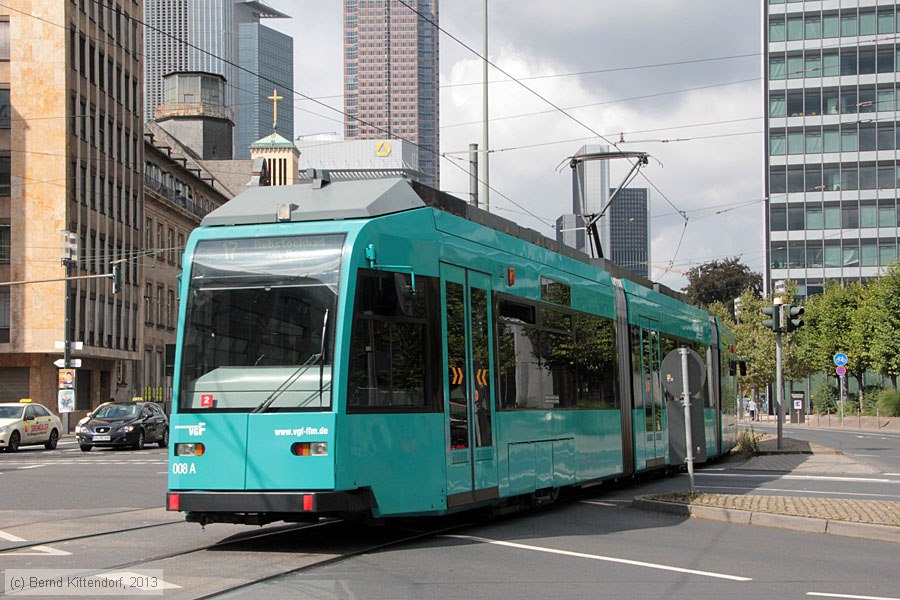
x: 4, y: 428
x: 79, y: 429
x: 127, y: 428
x: 84, y: 420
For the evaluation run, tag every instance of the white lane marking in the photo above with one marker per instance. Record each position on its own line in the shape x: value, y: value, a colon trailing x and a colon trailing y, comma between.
x: 816, y: 493
x: 599, y: 503
x: 10, y: 537
x: 32, y: 467
x: 128, y: 575
x: 624, y: 561
x: 893, y: 474
x: 864, y: 455
x: 41, y: 551
x: 803, y: 477
x: 826, y: 595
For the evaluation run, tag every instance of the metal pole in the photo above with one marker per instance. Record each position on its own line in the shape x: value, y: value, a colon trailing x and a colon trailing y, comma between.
x: 485, y: 131
x: 842, y: 401
x: 67, y: 343
x: 686, y: 400
x: 779, y: 389
x: 473, y: 173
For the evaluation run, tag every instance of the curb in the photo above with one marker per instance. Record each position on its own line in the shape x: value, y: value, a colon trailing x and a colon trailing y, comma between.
x: 869, y: 531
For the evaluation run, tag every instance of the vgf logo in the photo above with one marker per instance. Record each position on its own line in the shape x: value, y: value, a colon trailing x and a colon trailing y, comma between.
x: 193, y: 430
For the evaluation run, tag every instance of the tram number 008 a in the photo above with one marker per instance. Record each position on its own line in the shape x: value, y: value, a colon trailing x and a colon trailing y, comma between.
x: 183, y: 469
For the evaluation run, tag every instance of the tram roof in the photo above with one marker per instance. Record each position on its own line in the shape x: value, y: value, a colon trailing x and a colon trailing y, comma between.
x: 376, y: 197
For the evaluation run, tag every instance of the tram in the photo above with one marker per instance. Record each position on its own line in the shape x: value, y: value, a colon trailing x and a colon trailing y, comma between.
x: 380, y: 349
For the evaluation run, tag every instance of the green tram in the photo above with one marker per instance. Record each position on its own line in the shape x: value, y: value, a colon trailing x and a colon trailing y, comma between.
x: 378, y: 348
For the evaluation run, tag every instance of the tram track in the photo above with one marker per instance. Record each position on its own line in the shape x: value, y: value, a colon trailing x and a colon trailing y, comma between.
x: 96, y: 534
x: 418, y: 535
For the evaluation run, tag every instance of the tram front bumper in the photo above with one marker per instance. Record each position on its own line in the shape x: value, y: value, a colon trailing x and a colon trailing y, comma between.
x: 216, y: 505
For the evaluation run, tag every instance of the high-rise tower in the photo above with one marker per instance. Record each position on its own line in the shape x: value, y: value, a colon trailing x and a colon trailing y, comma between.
x: 224, y: 37
x: 831, y: 140
x: 391, y: 75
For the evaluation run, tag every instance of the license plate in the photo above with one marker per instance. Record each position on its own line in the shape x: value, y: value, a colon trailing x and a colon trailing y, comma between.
x: 101, y: 438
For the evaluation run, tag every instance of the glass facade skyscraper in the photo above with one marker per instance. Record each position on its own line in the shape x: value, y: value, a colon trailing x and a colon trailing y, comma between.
x: 629, y: 230
x: 223, y: 37
x: 832, y: 135
x: 391, y: 86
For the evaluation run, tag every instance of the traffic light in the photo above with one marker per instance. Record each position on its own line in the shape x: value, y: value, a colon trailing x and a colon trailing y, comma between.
x: 792, y: 320
x: 116, y: 279
x: 774, y: 323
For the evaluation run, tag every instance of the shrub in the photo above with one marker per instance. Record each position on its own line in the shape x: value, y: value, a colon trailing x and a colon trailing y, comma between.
x: 889, y: 403
x: 826, y: 399
x: 748, y: 442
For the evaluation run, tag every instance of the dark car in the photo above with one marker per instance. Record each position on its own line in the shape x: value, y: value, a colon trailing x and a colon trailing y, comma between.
x: 123, y: 424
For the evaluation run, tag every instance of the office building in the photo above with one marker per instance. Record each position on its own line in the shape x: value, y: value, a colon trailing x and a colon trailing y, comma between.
x: 831, y: 139
x: 71, y: 160
x: 391, y: 87
x: 224, y: 37
x: 629, y: 230
x: 360, y: 159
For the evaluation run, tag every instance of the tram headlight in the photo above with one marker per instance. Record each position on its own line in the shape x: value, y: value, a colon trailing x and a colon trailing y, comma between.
x: 193, y: 449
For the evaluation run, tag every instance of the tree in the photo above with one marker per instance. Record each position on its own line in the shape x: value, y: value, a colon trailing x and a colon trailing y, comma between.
x: 885, y: 344
x: 838, y: 323
x: 721, y: 281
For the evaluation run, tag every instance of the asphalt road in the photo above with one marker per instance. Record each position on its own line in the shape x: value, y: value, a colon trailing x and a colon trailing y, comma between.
x: 102, y: 512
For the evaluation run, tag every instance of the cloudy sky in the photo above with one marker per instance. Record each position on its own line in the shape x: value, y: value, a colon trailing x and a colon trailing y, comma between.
x: 712, y: 107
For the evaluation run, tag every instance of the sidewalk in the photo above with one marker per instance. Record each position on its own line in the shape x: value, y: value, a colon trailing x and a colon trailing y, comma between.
x: 869, y: 519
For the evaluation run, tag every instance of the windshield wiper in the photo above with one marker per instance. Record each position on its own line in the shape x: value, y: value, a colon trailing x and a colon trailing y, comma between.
x: 320, y: 357
x: 285, y: 384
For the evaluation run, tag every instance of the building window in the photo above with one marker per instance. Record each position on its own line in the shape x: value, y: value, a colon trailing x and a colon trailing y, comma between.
x: 4, y: 242
x: 4, y: 316
x: 5, y: 109
x: 5, y: 176
x: 4, y: 40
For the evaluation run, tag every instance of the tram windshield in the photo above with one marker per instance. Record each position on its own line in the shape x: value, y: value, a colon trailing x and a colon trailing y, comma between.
x: 258, y: 333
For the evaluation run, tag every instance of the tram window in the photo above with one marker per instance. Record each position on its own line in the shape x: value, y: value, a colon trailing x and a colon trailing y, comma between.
x: 556, y: 292
x: 519, y: 381
x: 394, y: 345
x: 567, y: 362
x: 554, y: 319
x: 514, y: 311
x: 596, y: 365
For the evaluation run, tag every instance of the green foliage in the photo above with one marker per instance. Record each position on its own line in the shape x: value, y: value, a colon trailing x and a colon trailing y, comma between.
x: 721, y: 281
x: 826, y: 399
x: 748, y: 442
x: 889, y: 403
x: 884, y: 347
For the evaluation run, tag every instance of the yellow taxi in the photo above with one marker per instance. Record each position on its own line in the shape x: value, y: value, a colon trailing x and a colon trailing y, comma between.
x: 24, y: 424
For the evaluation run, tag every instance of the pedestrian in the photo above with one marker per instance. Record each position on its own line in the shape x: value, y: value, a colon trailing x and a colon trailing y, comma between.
x: 751, y: 408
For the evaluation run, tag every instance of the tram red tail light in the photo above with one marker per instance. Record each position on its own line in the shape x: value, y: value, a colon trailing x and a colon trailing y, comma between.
x: 309, y: 449
x: 174, y: 502
x: 194, y: 449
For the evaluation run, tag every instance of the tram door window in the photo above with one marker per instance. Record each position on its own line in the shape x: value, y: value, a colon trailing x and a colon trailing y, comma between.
x: 456, y: 359
x: 472, y: 464
x: 654, y: 418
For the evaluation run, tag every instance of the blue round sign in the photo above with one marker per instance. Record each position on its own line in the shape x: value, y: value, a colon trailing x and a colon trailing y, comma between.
x: 840, y: 359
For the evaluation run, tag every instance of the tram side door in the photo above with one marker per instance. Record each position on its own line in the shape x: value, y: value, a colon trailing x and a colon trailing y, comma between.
x: 655, y: 440
x: 471, y: 454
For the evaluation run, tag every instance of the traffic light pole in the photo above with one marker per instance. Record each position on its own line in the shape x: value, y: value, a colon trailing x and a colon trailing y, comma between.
x: 779, y: 389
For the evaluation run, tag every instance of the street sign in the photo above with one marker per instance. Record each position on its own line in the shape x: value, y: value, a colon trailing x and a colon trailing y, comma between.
x: 840, y: 359
x: 75, y: 363
x: 841, y: 370
x: 671, y: 373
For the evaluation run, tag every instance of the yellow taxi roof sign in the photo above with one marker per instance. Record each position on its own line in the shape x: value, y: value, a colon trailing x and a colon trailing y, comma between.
x: 24, y: 399
x: 137, y: 399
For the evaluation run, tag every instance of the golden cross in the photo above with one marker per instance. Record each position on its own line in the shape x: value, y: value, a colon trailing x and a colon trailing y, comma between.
x: 275, y: 98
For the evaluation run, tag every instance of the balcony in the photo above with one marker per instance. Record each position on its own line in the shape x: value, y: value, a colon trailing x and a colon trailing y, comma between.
x: 173, y: 196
